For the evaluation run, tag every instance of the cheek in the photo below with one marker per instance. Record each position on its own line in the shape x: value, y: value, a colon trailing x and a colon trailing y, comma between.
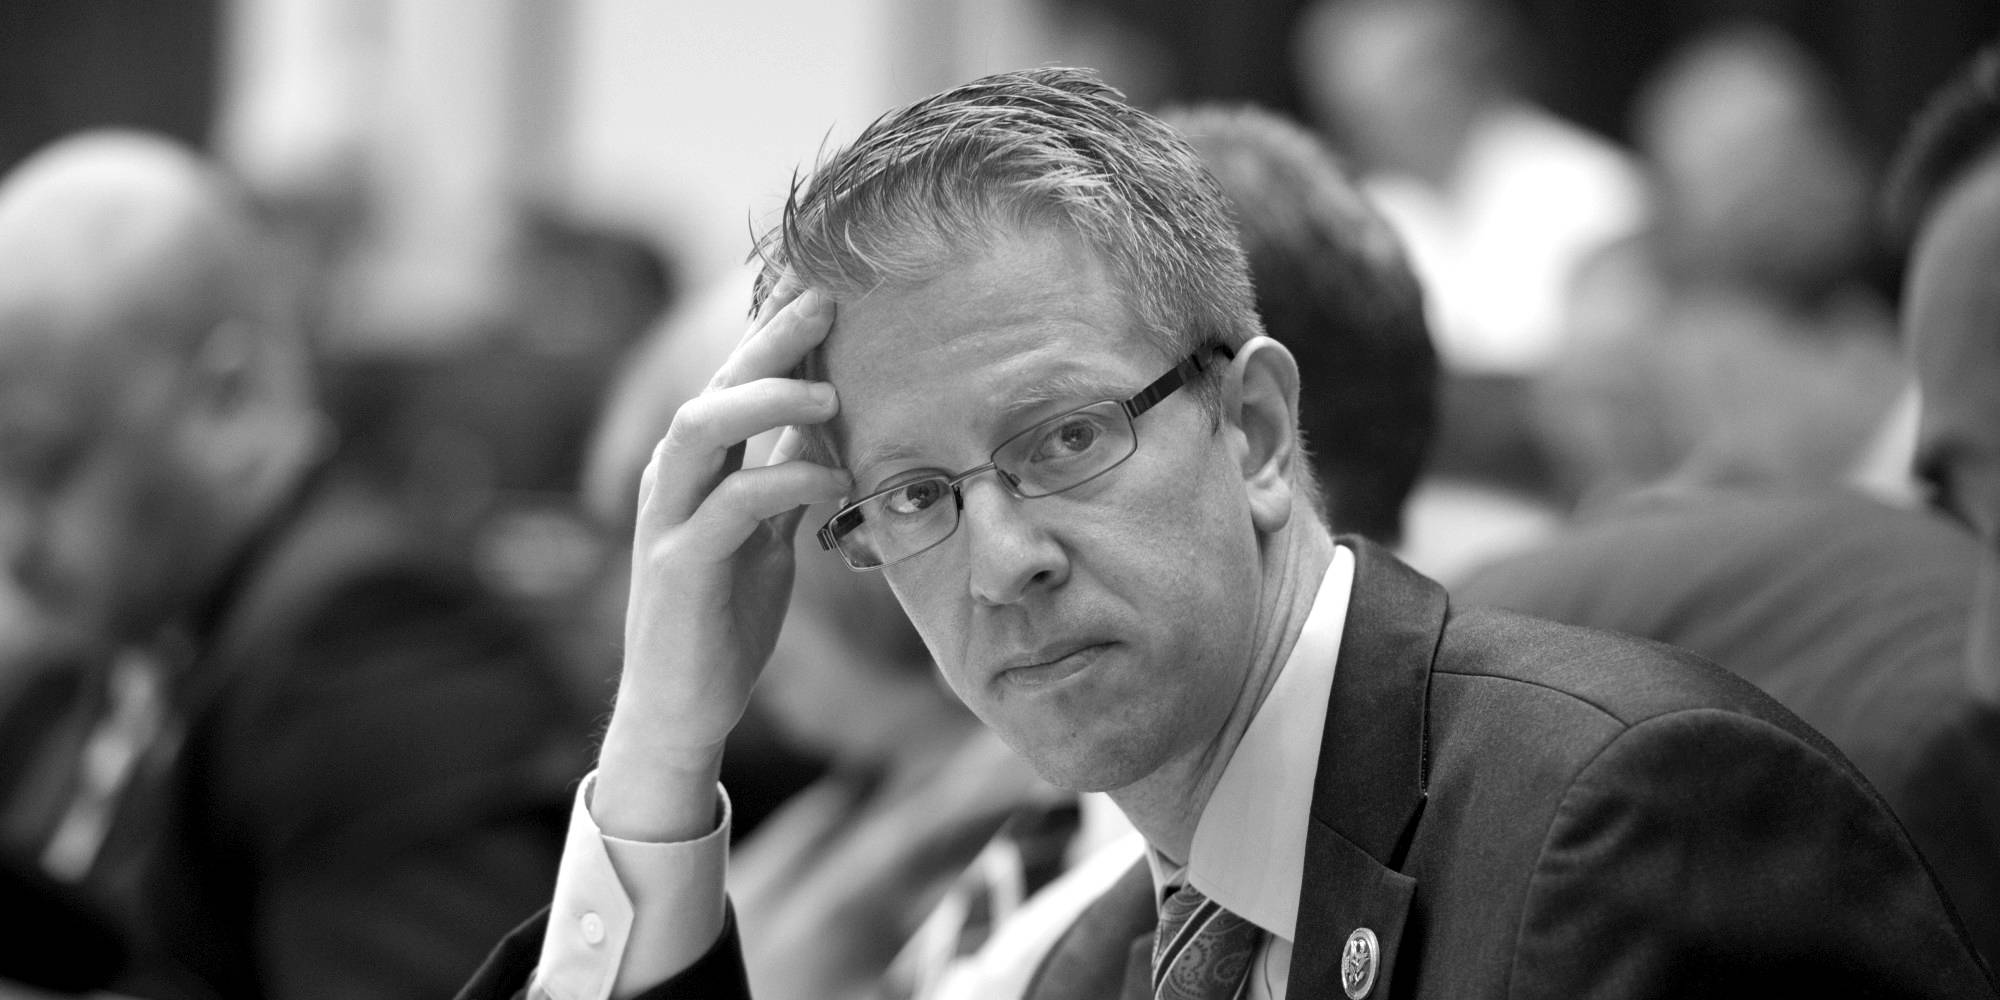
x: 1198, y: 518
x: 937, y: 615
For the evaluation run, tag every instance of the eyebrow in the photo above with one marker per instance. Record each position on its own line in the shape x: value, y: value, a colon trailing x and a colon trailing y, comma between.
x: 1077, y: 388
x: 1067, y: 387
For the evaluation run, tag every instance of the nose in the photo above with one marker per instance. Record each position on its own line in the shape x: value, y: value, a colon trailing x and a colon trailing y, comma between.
x: 1010, y: 555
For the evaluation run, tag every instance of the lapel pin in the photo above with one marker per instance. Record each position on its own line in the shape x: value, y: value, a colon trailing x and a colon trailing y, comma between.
x: 1358, y: 961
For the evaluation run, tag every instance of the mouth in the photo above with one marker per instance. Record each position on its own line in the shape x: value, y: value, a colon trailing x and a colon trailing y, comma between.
x: 1047, y: 668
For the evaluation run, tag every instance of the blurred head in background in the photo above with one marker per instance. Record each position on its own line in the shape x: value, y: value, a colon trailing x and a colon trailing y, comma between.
x: 1943, y: 199
x: 155, y: 406
x: 1331, y: 284
x: 1759, y: 176
x: 1402, y: 83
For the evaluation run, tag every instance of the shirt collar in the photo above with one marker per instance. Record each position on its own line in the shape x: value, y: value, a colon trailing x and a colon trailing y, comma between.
x: 1249, y: 845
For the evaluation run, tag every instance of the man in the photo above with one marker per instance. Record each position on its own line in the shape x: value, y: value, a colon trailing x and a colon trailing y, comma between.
x: 332, y: 758
x: 1873, y: 623
x: 1011, y: 327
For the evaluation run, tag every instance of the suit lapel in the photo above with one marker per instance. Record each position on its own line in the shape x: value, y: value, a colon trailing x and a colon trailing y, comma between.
x: 1369, y: 790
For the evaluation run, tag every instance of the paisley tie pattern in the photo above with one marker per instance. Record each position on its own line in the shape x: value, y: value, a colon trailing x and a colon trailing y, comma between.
x: 1202, y: 951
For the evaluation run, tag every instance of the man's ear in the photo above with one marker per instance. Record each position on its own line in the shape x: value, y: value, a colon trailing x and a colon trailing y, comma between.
x: 249, y: 407
x: 1261, y: 399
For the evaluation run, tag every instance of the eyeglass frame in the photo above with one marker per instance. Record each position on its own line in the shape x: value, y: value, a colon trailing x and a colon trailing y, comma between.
x: 1189, y: 368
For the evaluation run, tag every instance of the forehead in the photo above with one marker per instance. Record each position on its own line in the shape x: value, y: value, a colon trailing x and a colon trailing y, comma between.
x: 1034, y: 317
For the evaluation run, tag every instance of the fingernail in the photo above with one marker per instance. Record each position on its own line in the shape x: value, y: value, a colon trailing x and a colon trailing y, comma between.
x: 823, y: 394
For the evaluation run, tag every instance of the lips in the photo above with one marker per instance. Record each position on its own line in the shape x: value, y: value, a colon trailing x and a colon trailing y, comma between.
x: 1051, y: 665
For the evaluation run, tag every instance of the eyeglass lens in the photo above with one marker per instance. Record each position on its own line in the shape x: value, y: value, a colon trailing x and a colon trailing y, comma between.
x: 1058, y: 454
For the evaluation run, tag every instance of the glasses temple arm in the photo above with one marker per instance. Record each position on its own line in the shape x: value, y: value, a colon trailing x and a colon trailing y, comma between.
x: 1181, y: 374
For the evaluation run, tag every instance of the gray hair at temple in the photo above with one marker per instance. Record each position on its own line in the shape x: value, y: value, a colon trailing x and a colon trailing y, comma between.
x: 928, y: 186
x: 1335, y: 287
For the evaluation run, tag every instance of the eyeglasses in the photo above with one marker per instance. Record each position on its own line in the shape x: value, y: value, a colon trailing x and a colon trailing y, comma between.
x: 1057, y: 454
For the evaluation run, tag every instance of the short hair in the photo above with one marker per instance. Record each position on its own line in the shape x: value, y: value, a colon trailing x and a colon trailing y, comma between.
x: 927, y: 186
x: 1956, y: 128
x: 1334, y: 286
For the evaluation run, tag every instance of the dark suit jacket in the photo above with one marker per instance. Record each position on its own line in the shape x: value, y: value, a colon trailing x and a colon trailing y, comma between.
x: 1852, y: 614
x: 366, y: 778
x: 1523, y: 809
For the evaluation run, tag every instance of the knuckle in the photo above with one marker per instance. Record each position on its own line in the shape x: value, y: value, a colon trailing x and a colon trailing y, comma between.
x: 692, y: 424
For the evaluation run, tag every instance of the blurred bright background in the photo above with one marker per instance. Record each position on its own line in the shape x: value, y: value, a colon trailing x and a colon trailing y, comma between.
x: 492, y: 199
x: 444, y: 122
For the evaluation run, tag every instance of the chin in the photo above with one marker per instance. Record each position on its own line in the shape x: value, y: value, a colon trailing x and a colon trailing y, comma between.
x: 1091, y: 764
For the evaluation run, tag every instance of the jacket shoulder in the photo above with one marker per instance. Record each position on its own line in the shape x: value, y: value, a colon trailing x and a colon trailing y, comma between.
x: 1622, y: 680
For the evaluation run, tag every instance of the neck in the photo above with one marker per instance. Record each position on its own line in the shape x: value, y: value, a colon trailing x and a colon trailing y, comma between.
x: 1166, y: 805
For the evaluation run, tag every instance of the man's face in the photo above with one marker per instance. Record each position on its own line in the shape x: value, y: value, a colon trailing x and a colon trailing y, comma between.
x: 1951, y: 320
x: 1103, y: 632
x: 96, y: 517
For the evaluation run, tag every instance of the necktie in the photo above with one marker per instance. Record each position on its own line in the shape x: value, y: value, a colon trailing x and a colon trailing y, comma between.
x: 1201, y: 951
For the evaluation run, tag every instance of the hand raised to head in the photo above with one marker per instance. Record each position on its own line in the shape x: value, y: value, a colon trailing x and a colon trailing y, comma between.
x: 711, y: 574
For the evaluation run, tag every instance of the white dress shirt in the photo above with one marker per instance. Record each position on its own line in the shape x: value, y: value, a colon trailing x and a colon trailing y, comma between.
x: 628, y: 915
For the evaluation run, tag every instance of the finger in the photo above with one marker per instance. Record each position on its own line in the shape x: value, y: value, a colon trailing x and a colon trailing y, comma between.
x: 749, y: 498
x: 777, y: 347
x: 787, y: 289
x: 702, y: 445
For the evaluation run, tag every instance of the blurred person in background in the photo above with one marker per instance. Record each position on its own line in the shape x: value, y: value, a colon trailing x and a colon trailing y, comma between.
x: 1944, y: 201
x: 477, y: 427
x: 1738, y: 339
x: 326, y: 764
x: 1875, y: 623
x: 1499, y: 200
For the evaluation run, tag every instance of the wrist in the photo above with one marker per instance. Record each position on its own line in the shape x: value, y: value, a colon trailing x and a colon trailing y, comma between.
x: 654, y: 793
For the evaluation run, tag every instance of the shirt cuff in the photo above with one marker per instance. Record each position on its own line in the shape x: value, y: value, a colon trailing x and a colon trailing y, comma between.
x: 630, y: 914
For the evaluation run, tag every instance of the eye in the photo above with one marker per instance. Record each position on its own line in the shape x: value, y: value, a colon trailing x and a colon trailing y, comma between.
x: 1067, y: 437
x: 914, y: 498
